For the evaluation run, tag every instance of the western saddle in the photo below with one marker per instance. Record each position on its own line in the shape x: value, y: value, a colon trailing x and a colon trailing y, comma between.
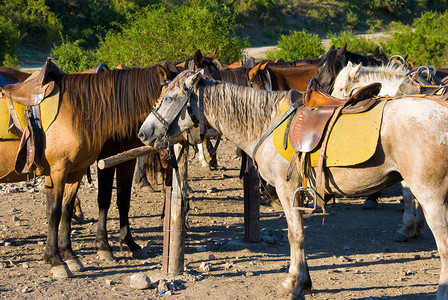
x: 30, y: 93
x: 311, y: 127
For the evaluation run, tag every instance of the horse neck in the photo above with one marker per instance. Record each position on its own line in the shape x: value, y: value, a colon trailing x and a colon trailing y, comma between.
x: 241, y: 114
x: 110, y: 104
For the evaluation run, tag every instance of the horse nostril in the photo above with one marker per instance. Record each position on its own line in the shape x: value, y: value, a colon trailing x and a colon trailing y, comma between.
x: 141, y: 135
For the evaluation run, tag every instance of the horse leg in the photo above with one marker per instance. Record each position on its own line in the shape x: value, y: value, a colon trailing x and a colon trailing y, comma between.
x: 298, y: 281
x: 78, y: 214
x: 413, y: 218
x: 212, y: 151
x: 105, y: 182
x: 54, y: 190
x: 436, y: 210
x: 125, y: 172
x: 204, y: 162
x: 65, y: 245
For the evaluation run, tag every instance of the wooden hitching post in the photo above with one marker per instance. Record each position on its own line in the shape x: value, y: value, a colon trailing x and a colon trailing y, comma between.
x: 251, y: 203
x: 174, y: 225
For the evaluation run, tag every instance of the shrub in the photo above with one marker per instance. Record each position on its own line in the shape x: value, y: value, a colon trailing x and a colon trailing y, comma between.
x: 169, y: 32
x: 426, y: 41
x: 73, y: 58
x: 10, y: 36
x: 358, y: 44
x: 33, y: 17
x: 296, y: 45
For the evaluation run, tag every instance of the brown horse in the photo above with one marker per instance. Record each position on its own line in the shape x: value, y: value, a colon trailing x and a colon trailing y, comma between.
x: 93, y: 109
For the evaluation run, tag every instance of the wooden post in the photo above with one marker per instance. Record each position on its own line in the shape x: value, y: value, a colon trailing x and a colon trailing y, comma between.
x: 175, y: 214
x: 251, y: 203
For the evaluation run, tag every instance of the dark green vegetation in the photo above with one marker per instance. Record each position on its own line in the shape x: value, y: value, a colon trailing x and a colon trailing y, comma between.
x: 83, y: 33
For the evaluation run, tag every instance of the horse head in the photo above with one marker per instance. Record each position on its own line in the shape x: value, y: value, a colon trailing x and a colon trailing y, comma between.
x: 330, y: 65
x: 177, y: 111
x: 342, y: 83
x: 259, y: 76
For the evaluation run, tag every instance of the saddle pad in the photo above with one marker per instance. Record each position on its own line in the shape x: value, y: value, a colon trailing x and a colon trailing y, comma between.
x: 352, y: 141
x: 48, y: 111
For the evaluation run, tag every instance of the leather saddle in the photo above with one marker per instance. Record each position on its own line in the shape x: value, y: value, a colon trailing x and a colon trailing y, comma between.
x: 311, y: 119
x: 423, y: 80
x: 33, y: 91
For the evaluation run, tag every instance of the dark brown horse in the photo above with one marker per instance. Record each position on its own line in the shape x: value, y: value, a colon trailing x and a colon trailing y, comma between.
x: 94, y: 108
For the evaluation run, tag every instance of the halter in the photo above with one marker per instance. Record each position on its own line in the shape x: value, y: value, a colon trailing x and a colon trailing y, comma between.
x: 174, y: 111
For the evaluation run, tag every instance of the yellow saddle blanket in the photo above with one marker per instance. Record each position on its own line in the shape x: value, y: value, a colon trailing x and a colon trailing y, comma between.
x: 352, y: 141
x: 48, y: 111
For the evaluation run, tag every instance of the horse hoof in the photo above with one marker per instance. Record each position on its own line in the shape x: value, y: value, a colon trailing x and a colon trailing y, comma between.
x: 140, y: 254
x: 370, y: 204
x: 75, y: 265
x: 399, y: 237
x: 105, y: 255
x: 285, y: 288
x: 61, y: 272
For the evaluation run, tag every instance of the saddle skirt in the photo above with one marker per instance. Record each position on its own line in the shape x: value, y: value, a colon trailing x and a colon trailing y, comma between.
x: 48, y: 108
x: 353, y: 139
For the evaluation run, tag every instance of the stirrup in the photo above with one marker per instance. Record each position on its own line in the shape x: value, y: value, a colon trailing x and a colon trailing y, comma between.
x: 310, y: 190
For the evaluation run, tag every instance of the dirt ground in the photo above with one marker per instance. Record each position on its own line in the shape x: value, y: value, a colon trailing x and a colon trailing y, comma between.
x: 350, y: 252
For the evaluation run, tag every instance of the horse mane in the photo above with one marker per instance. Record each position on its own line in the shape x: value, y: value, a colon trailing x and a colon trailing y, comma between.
x: 112, y: 103
x: 237, y: 76
x: 383, y: 72
x: 363, y: 59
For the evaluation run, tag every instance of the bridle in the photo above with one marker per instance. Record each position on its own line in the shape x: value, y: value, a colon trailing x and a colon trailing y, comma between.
x: 175, y: 110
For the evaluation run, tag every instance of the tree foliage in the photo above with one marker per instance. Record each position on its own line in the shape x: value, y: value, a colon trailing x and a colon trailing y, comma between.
x: 172, y: 32
x: 296, y: 45
x: 10, y: 36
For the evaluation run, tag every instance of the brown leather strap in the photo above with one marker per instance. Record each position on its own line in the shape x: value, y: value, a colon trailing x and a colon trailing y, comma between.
x: 291, y: 165
x: 320, y: 162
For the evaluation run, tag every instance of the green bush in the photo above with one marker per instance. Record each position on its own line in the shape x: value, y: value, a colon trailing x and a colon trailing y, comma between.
x: 358, y: 44
x: 10, y: 36
x: 426, y: 41
x: 34, y: 18
x: 73, y: 58
x: 296, y: 45
x: 396, y: 7
x: 169, y: 32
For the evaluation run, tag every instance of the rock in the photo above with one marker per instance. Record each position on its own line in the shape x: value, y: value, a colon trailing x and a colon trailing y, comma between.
x: 140, y: 281
x: 162, y: 287
x: 211, y: 257
x: 249, y: 274
x: 204, y: 267
x: 344, y: 259
x: 200, y: 249
x: 27, y: 289
x: 212, y: 190
x: 228, y: 266
x: 8, y: 244
x: 110, y: 282
x: 25, y: 265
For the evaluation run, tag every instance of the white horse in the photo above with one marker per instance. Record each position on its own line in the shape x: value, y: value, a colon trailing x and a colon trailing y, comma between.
x: 245, y: 114
x: 353, y: 77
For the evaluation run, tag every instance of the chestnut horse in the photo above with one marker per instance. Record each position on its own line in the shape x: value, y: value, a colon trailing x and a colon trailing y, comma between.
x: 244, y: 115
x: 94, y: 108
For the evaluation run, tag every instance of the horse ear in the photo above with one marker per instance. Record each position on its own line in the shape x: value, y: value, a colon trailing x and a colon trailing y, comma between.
x: 376, y: 52
x: 254, y: 71
x: 264, y: 66
x: 213, y: 54
x: 341, y: 51
x: 355, y: 71
x: 333, y: 47
x: 198, y: 59
x: 162, y: 72
x: 191, y: 81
